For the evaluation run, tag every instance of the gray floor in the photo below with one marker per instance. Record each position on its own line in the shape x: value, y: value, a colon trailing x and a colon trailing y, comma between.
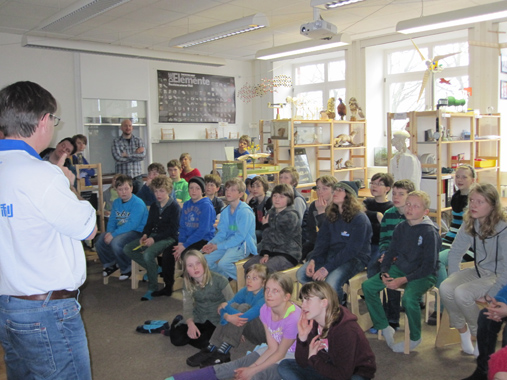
x: 112, y: 312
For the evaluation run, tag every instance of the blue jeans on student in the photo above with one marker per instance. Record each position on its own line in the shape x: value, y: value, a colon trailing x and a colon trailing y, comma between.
x: 289, y: 369
x: 336, y: 278
x: 112, y: 253
x: 44, y: 339
x: 222, y: 260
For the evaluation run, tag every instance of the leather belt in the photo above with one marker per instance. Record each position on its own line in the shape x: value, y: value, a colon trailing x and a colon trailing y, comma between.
x: 56, y: 295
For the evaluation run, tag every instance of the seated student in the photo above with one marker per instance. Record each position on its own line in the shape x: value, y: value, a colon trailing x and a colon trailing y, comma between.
x: 180, y: 186
x: 259, y: 202
x: 484, y: 229
x: 243, y: 144
x: 342, y: 249
x: 213, y: 183
x: 380, y: 186
x: 280, y: 247
x: 464, y: 180
x: 187, y: 171
x: 160, y: 232
x: 203, y: 292
x: 317, y: 211
x: 411, y: 260
x: 145, y: 192
x: 489, y: 325
x: 63, y: 151
x: 78, y: 158
x: 279, y: 317
x: 392, y: 217
x: 196, y: 229
x: 330, y: 343
x: 235, y: 238
x: 290, y: 176
x: 126, y: 223
x: 239, y: 316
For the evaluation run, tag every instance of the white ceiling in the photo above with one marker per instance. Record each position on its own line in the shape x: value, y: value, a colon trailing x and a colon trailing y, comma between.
x: 152, y: 23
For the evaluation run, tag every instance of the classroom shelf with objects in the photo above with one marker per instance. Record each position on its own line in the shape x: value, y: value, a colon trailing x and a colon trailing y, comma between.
x: 444, y: 140
x: 318, y: 147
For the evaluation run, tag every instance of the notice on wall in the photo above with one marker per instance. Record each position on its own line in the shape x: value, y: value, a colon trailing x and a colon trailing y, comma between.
x: 195, y: 98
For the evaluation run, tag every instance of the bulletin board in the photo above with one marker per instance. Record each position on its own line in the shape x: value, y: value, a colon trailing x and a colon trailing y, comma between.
x: 195, y: 98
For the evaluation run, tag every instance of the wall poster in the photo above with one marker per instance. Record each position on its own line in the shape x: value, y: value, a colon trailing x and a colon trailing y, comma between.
x: 195, y: 98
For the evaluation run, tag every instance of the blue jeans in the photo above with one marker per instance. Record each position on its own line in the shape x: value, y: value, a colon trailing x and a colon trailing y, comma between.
x: 112, y: 253
x: 289, y: 369
x: 222, y: 260
x: 336, y: 278
x: 44, y: 339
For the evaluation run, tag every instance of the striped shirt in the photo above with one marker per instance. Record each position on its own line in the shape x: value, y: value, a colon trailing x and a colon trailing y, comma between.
x: 130, y: 165
x: 391, y: 219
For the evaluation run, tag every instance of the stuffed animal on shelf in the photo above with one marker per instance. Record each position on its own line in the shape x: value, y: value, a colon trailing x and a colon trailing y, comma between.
x: 355, y: 110
x: 342, y: 109
x: 339, y: 164
x: 330, y: 108
x: 342, y: 139
x: 348, y: 164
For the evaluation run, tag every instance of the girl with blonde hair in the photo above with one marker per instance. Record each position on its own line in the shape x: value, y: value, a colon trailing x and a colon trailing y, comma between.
x: 330, y: 344
x: 484, y: 230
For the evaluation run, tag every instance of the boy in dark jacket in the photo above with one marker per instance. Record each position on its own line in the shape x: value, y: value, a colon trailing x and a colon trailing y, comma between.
x: 160, y: 232
x: 410, y: 261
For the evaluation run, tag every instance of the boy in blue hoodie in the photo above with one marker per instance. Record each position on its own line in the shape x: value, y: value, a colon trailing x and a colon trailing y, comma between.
x: 411, y: 260
x: 235, y: 239
x: 196, y: 229
x: 126, y: 223
x: 160, y: 232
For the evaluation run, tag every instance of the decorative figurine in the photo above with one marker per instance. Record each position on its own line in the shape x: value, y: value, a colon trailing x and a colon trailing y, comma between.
x: 339, y: 164
x: 342, y: 109
x: 330, y: 108
x: 342, y: 139
x: 355, y: 110
x: 348, y: 164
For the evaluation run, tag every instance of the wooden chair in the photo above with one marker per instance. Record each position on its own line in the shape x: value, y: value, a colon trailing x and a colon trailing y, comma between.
x: 138, y: 273
x: 353, y: 290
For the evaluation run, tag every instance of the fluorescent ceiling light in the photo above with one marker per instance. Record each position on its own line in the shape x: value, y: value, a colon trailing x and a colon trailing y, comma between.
x: 303, y: 47
x: 459, y: 17
x: 118, y: 51
x: 77, y: 13
x: 229, y: 29
x: 328, y: 4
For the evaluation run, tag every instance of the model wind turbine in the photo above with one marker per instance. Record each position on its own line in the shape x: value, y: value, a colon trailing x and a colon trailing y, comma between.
x: 432, y: 67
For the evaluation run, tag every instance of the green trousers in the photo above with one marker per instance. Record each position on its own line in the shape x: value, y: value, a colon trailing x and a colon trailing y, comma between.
x: 410, y: 301
x: 147, y: 258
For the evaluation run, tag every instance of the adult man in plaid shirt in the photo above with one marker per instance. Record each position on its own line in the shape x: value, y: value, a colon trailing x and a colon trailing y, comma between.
x: 128, y: 152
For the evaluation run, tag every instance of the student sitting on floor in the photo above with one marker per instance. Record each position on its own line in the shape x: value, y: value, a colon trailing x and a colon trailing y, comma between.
x: 203, y: 292
x: 279, y: 317
x: 196, y: 229
x: 411, y: 260
x: 280, y: 247
x: 330, y: 343
x: 145, y: 192
x: 160, y: 232
x: 235, y: 238
x: 126, y: 223
x: 239, y: 317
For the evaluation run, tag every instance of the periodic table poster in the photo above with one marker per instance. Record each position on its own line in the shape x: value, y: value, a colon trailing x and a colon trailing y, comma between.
x: 195, y: 98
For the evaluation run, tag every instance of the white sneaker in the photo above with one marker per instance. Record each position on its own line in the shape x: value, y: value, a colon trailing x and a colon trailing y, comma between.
x: 124, y: 276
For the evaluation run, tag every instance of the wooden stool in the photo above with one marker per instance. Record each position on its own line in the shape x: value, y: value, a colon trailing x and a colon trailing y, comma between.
x: 353, y: 290
x: 116, y: 274
x: 138, y: 273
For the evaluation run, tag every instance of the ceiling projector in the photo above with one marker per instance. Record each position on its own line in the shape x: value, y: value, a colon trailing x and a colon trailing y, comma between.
x: 318, y: 29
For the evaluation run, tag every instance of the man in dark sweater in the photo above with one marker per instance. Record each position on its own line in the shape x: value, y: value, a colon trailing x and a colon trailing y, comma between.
x: 411, y: 261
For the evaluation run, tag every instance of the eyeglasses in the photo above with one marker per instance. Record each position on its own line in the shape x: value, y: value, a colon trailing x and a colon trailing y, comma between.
x: 376, y: 184
x: 56, y: 119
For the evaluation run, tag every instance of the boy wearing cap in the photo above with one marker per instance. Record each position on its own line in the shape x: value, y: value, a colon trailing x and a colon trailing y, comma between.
x: 196, y: 229
x: 342, y: 248
x: 410, y: 261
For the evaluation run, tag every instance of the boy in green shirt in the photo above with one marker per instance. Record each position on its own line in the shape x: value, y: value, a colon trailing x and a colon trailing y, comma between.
x: 180, y: 186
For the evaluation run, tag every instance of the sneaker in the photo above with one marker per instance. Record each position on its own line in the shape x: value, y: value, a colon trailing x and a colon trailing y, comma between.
x: 216, y: 358
x: 394, y: 325
x: 155, y: 322
x: 373, y: 330
x: 109, y: 270
x: 152, y: 328
x: 162, y: 292
x: 124, y: 276
x: 201, y: 356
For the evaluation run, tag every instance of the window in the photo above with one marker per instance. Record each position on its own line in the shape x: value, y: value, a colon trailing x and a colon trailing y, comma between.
x: 405, y: 71
x: 316, y: 83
